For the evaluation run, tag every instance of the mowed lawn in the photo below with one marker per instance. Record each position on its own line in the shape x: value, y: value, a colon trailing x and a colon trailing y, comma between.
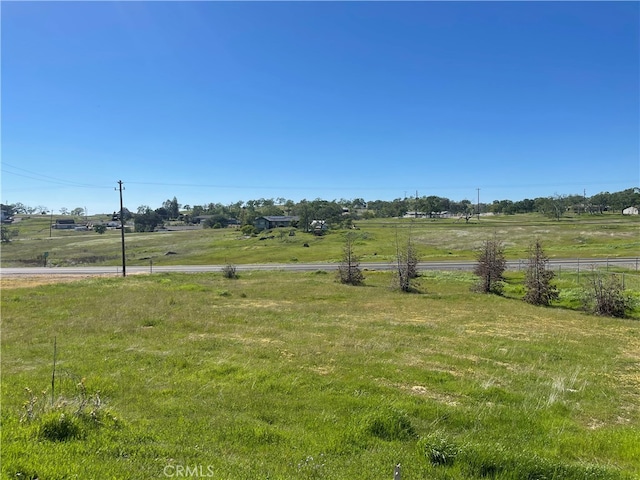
x: 295, y: 376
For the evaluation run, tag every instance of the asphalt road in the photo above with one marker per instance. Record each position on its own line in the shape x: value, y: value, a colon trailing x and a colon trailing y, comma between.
x: 555, y: 264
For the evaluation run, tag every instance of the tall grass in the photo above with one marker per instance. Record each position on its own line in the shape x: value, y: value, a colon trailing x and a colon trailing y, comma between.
x: 276, y: 375
x: 582, y: 236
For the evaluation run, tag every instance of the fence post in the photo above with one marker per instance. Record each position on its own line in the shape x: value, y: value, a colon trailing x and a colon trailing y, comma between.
x: 150, y: 265
x: 396, y: 473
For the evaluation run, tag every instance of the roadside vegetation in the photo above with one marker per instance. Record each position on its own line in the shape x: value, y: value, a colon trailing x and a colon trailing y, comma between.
x: 296, y: 375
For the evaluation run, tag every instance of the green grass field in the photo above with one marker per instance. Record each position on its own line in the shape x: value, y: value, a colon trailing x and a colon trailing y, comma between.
x: 583, y: 236
x: 295, y: 376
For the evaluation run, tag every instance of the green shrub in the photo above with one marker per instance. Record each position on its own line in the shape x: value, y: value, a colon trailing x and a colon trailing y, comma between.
x: 60, y: 427
x: 438, y: 449
x: 389, y: 424
x: 248, y: 230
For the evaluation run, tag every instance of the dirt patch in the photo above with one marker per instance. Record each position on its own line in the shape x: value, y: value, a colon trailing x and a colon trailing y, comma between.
x: 28, y: 282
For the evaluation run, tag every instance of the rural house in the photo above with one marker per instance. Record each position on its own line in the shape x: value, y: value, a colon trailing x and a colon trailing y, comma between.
x: 65, y: 224
x: 266, y: 223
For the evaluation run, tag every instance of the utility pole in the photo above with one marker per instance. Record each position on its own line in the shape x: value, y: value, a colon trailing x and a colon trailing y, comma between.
x: 124, y: 267
x: 478, y: 203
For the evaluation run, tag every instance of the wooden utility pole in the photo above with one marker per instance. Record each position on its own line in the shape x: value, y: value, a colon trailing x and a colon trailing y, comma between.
x: 124, y: 266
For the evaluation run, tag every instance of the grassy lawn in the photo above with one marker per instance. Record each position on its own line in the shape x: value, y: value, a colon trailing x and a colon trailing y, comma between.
x: 584, y: 236
x: 282, y: 375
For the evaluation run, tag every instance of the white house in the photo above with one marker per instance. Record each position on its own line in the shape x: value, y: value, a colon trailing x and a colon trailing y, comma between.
x: 630, y: 211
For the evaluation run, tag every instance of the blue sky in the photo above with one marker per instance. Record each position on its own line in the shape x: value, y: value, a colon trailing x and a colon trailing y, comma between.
x: 220, y: 102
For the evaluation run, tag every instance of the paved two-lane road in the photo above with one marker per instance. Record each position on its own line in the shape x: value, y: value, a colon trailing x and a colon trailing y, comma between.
x: 566, y: 263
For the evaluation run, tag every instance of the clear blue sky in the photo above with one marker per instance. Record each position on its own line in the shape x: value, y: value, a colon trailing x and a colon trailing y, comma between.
x: 220, y: 102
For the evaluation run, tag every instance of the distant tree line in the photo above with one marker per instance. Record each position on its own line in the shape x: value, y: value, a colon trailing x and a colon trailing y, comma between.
x: 342, y: 212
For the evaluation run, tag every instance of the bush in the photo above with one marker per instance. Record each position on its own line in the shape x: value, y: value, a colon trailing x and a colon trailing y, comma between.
x: 229, y: 271
x: 249, y: 230
x: 606, y: 297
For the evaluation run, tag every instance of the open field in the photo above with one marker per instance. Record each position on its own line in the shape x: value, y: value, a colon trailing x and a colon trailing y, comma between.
x: 584, y: 236
x: 281, y: 375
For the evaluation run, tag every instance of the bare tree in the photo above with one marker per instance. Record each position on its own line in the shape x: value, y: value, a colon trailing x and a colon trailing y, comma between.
x: 229, y: 271
x: 349, y: 270
x: 607, y: 297
x: 406, y: 265
x: 538, y: 278
x: 490, y: 267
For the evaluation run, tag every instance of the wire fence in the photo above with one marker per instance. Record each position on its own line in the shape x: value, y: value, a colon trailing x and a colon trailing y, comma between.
x: 584, y: 278
x: 583, y: 273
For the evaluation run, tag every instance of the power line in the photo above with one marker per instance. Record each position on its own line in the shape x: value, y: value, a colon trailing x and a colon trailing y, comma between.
x: 46, y: 178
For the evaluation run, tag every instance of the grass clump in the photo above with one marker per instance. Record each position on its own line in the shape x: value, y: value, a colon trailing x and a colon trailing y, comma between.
x: 439, y: 449
x: 68, y: 418
x: 59, y: 427
x: 389, y: 424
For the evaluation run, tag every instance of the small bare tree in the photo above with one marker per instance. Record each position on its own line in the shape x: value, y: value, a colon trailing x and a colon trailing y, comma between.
x: 229, y: 271
x: 349, y: 270
x: 490, y: 267
x: 406, y: 265
x: 538, y: 278
x: 607, y: 297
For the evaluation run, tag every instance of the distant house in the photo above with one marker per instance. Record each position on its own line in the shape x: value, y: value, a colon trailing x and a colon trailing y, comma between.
x: 6, y: 218
x: 65, y: 224
x: 414, y: 215
x: 443, y: 214
x: 201, y: 218
x: 266, y: 223
x: 630, y: 211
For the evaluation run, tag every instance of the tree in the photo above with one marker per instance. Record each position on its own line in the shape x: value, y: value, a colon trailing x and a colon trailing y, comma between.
x: 6, y: 233
x: 99, y: 228
x: 9, y: 210
x: 216, y: 221
x: 539, y: 290
x: 406, y: 265
x: 77, y: 212
x: 172, y: 208
x: 349, y: 270
x: 64, y: 211
x: 490, y: 267
x: 607, y: 297
x: 552, y: 207
x: 147, y: 221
